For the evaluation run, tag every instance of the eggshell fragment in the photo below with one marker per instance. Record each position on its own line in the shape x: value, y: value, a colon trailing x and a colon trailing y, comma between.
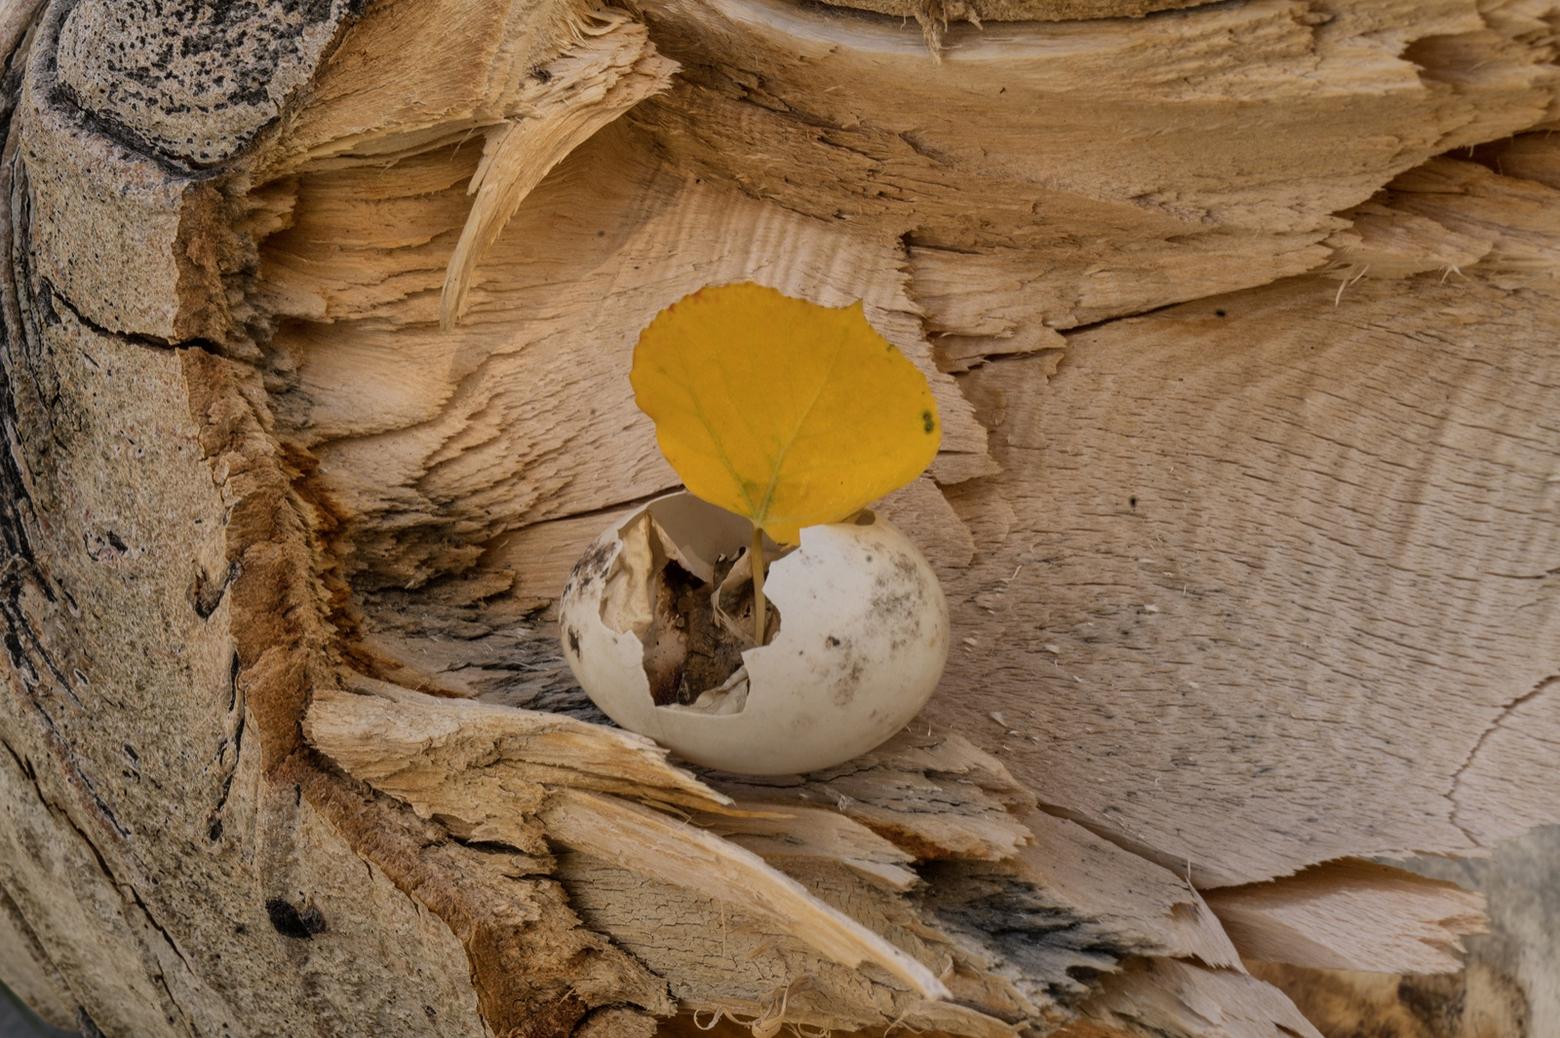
x: 862, y: 639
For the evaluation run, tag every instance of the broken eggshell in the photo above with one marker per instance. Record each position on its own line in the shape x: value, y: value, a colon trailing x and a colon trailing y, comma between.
x: 861, y: 642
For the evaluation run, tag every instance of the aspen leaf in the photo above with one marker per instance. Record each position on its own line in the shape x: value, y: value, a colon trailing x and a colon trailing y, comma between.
x: 780, y: 410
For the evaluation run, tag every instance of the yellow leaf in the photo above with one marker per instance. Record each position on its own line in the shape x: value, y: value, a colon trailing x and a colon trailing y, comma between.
x: 780, y: 410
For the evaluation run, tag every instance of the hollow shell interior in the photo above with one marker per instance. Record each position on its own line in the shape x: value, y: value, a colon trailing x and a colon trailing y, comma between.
x: 862, y: 643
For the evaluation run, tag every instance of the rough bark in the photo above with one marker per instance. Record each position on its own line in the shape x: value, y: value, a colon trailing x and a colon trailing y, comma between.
x: 317, y: 324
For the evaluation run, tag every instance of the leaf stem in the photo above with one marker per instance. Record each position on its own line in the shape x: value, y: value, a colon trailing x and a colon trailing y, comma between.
x: 759, y: 619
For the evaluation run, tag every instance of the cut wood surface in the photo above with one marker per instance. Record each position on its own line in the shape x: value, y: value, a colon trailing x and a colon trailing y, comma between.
x: 1241, y: 318
x: 1266, y: 588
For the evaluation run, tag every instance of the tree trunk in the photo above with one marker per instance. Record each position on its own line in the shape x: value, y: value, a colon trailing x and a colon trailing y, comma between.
x: 317, y: 326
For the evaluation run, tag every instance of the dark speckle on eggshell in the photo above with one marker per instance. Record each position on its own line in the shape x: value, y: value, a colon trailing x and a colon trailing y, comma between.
x: 591, y: 567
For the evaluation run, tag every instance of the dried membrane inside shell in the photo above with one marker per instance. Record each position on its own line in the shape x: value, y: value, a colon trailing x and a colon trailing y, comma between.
x: 699, y: 624
x: 656, y: 622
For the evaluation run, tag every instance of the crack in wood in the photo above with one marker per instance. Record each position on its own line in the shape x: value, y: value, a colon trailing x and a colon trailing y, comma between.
x: 1507, y: 709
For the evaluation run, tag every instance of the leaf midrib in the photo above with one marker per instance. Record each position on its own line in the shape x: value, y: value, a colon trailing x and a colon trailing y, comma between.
x: 779, y: 462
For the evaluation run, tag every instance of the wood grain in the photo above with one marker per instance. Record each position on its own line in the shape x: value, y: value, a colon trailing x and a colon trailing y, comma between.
x: 1241, y: 322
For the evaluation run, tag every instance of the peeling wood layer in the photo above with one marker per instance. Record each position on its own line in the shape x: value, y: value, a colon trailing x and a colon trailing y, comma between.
x: 1180, y: 1000
x: 614, y: 68
x: 641, y: 833
x: 1323, y: 918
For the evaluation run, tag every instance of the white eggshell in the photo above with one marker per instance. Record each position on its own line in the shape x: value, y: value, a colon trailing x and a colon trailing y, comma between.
x: 862, y: 643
